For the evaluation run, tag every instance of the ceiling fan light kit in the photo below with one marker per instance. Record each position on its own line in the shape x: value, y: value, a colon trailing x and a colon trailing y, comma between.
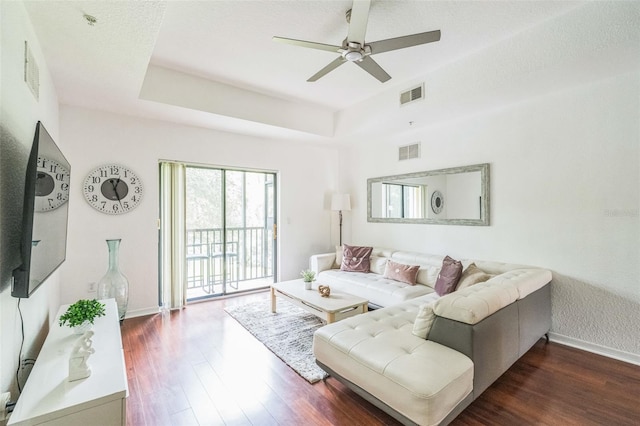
x: 355, y: 53
x: 354, y: 49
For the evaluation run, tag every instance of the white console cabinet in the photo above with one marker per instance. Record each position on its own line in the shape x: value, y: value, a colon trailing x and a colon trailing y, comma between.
x: 48, y: 398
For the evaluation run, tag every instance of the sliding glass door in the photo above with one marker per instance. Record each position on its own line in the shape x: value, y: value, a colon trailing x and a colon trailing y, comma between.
x: 230, y: 231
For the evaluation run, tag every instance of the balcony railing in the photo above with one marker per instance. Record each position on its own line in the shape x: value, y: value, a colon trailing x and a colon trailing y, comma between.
x: 248, y: 256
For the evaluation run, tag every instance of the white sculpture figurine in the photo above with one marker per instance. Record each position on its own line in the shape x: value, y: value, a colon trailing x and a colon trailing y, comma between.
x: 78, y: 367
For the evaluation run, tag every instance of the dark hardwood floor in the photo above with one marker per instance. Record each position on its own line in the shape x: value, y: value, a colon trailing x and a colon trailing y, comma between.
x: 198, y: 366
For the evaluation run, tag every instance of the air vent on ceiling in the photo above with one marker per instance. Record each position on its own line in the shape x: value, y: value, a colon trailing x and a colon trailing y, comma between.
x: 412, y: 95
x: 408, y: 152
x: 31, y: 72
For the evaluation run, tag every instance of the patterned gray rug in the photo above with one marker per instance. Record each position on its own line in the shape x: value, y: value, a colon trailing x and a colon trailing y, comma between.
x: 287, y: 333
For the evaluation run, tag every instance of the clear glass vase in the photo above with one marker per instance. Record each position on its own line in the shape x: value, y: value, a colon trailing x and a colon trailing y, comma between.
x: 114, y: 284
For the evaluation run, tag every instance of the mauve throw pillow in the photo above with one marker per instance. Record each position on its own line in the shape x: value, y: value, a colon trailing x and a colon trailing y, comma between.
x: 400, y: 272
x: 355, y: 259
x: 449, y: 276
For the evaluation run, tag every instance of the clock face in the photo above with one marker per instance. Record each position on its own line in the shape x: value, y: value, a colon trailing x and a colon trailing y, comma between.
x: 113, y: 189
x: 437, y: 202
x: 52, y: 185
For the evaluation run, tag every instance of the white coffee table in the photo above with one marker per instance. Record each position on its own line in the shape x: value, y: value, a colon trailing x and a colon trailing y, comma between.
x: 331, y: 309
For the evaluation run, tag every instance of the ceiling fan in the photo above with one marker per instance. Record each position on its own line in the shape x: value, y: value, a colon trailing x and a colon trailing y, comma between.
x: 354, y: 49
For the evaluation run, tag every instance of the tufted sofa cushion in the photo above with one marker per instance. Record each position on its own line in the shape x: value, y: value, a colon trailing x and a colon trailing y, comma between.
x: 379, y: 352
x: 378, y: 290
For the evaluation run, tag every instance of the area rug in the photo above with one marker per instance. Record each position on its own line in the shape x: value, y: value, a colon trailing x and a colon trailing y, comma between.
x: 288, y: 333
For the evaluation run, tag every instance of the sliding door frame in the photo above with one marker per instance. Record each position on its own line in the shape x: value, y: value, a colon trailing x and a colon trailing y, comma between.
x: 224, y: 238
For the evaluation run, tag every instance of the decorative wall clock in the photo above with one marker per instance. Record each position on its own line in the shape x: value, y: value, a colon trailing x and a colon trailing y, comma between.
x: 52, y: 185
x: 113, y: 189
x: 437, y: 202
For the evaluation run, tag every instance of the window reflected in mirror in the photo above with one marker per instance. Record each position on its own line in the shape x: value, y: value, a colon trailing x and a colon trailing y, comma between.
x: 401, y: 201
x: 457, y: 195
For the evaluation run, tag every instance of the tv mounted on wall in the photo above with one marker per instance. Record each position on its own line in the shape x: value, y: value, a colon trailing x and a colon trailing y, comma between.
x: 43, y: 243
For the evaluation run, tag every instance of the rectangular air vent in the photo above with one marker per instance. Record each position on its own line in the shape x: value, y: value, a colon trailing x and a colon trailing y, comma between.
x: 31, y: 72
x: 408, y: 152
x: 412, y: 95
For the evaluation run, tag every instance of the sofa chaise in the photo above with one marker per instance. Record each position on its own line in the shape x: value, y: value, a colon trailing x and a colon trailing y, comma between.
x: 428, y: 375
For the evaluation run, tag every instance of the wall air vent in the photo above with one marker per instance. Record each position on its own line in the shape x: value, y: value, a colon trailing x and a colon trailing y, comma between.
x: 412, y: 95
x: 408, y: 152
x: 31, y: 72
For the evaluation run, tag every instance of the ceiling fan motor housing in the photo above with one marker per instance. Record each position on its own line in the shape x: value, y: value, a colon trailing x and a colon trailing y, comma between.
x: 354, y: 53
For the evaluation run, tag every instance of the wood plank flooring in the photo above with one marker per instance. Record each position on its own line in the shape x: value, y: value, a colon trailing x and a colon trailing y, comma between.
x: 198, y: 366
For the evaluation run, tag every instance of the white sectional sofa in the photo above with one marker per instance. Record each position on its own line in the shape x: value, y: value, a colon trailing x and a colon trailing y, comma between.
x: 477, y: 333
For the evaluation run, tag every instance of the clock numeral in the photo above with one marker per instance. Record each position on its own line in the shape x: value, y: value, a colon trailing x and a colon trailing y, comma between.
x: 95, y: 179
x: 64, y: 186
x: 41, y: 162
x: 134, y: 181
x: 138, y: 189
x: 115, y: 171
x: 116, y: 207
x: 94, y: 198
x: 103, y: 173
x: 59, y: 196
x: 60, y: 176
x: 91, y: 188
x: 50, y: 200
x: 53, y: 168
x: 134, y: 199
x: 125, y: 204
x: 103, y: 203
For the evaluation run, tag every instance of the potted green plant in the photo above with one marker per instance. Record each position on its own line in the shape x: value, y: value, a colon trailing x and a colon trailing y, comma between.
x: 80, y: 315
x: 308, y: 276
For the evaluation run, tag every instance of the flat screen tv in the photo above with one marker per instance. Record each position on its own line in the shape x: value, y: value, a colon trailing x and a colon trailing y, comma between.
x: 43, y: 243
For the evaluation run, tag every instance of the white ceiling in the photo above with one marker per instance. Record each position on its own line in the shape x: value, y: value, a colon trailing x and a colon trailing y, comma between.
x: 229, y: 42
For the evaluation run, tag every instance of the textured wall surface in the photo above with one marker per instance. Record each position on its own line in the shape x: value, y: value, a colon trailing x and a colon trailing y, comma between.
x: 592, y: 314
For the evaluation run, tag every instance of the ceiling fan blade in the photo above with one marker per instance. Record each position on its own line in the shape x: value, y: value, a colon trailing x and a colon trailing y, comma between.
x: 372, y: 67
x: 326, y: 70
x: 405, y: 41
x: 309, y: 44
x: 358, y: 21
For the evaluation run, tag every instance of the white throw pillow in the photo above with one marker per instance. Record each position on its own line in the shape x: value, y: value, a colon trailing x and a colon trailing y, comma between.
x: 424, y: 320
x: 338, y: 257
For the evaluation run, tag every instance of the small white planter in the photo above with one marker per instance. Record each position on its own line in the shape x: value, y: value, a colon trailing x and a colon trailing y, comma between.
x: 82, y: 328
x: 307, y: 285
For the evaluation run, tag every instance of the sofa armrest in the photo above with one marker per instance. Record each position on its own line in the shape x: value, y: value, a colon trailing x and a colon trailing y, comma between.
x: 473, y: 304
x: 322, y: 262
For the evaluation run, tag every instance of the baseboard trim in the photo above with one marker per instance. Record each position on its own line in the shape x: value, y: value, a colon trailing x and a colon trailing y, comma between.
x: 157, y: 310
x: 142, y: 312
x: 596, y: 349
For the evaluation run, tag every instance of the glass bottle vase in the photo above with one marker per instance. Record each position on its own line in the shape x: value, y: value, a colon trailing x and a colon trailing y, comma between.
x: 113, y: 284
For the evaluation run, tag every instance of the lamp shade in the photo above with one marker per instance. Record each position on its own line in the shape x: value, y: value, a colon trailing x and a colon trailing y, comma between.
x: 341, y: 202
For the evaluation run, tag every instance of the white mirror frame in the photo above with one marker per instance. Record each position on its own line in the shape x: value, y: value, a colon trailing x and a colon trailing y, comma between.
x: 484, y: 200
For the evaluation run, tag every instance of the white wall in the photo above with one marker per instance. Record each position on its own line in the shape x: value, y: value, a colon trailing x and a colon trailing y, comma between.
x: 307, y: 176
x: 565, y: 185
x: 19, y: 113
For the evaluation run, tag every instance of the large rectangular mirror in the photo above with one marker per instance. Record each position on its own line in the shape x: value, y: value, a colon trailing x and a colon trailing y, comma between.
x: 454, y: 196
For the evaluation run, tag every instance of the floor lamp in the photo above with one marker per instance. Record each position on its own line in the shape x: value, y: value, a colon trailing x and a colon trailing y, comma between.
x: 340, y: 202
